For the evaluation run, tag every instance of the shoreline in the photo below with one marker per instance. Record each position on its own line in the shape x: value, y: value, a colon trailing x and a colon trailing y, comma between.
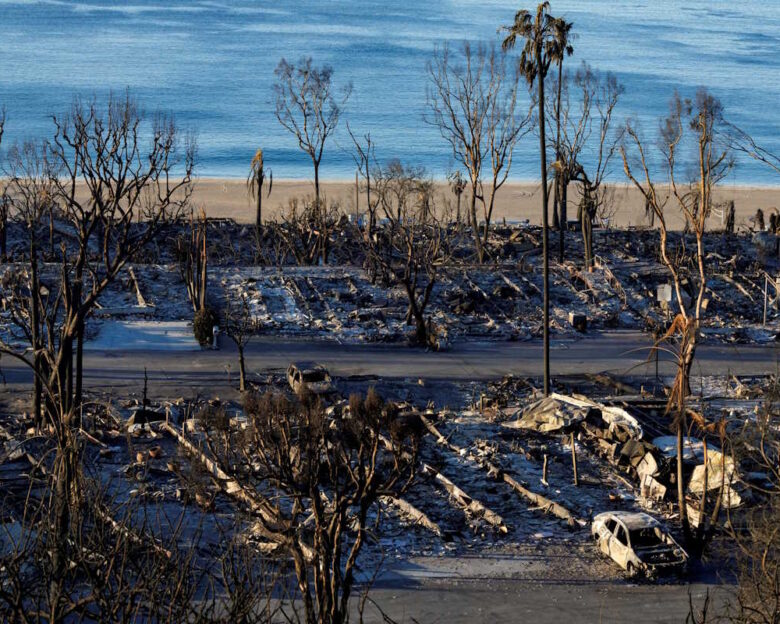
x: 443, y: 181
x: 222, y: 197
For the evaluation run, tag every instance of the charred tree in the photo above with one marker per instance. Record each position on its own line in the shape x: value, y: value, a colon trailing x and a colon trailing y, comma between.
x: 693, y: 124
x: 308, y: 107
x: 472, y: 98
x: 413, y: 245
x: 239, y: 324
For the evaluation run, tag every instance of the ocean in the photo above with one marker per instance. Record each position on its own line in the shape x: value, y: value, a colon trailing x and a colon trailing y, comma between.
x: 211, y: 64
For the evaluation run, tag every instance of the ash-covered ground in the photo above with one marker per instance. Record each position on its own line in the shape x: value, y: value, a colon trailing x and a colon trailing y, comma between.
x: 500, y: 300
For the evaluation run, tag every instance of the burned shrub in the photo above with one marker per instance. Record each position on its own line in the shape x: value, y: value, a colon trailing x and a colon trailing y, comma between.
x: 413, y: 244
x: 214, y: 417
x: 203, y: 326
x: 306, y: 229
x: 311, y: 479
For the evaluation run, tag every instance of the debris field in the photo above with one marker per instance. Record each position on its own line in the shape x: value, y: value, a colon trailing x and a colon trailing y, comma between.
x: 499, y: 301
x: 496, y: 475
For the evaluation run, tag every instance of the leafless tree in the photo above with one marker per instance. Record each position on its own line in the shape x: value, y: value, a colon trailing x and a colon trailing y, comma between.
x: 313, y: 480
x: 130, y: 192
x: 308, y: 106
x: 413, y: 245
x: 399, y: 188
x: 365, y: 160
x: 30, y: 191
x: 3, y: 200
x: 753, y: 538
x: 588, y: 144
x: 743, y: 143
x: 239, y: 324
x: 473, y: 100
x: 758, y: 546
x: 192, y: 254
x: 695, y: 125
x: 116, y: 191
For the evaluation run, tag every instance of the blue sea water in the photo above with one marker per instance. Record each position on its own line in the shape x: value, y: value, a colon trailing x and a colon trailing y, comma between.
x: 211, y: 63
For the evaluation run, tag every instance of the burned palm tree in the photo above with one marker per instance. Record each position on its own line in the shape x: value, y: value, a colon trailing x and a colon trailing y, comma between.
x: 458, y: 185
x: 538, y: 52
x: 255, y: 182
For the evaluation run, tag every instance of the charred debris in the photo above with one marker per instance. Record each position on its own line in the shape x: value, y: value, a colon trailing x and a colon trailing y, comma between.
x: 493, y: 467
x: 349, y: 299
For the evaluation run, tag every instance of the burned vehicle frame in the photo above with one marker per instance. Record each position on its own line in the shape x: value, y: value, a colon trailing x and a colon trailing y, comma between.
x: 638, y: 543
x: 309, y: 375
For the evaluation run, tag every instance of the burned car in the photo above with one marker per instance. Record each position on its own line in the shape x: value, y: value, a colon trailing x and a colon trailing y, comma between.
x: 314, y: 377
x: 638, y: 543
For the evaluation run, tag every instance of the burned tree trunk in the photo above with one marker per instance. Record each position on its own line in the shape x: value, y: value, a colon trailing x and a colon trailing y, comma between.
x: 240, y: 325
x: 3, y: 230
x: 586, y: 224
x: 193, y: 262
x: 561, y: 200
x: 730, y: 217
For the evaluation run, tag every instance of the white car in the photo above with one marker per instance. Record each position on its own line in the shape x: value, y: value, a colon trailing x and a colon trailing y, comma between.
x: 637, y: 543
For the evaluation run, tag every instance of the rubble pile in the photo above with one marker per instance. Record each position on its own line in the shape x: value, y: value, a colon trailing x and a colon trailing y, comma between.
x: 618, y: 436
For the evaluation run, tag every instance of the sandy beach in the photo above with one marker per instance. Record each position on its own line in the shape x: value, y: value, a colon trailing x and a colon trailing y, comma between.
x: 515, y: 201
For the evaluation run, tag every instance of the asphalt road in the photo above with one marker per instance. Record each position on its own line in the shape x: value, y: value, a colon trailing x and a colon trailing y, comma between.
x: 489, y: 602
x: 541, y: 586
x: 617, y: 352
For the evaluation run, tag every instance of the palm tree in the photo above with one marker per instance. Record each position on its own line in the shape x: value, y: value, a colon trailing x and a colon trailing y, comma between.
x: 255, y: 182
x: 563, y: 48
x: 538, y: 52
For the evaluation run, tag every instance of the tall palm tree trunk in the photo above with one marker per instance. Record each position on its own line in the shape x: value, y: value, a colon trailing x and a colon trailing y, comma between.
x: 545, y: 250
x: 560, y: 210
